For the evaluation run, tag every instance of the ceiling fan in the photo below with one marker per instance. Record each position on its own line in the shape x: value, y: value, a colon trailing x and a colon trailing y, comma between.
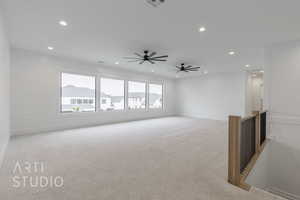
x: 188, y: 68
x: 149, y: 57
x: 155, y: 3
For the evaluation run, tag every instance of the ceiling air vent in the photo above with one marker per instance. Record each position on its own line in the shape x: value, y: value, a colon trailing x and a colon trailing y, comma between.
x: 155, y: 3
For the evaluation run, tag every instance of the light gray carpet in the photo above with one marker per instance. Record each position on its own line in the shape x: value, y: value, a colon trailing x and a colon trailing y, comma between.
x: 161, y: 159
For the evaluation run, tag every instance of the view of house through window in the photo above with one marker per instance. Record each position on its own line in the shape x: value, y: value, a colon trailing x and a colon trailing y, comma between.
x: 112, y: 94
x: 155, y: 96
x: 136, y: 95
x: 78, y: 93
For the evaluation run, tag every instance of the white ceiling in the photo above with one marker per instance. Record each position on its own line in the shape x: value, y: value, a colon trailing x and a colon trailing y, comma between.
x: 108, y: 30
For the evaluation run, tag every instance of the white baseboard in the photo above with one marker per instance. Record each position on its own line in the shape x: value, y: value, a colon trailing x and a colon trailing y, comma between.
x: 203, y: 117
x: 53, y: 127
x: 283, y: 194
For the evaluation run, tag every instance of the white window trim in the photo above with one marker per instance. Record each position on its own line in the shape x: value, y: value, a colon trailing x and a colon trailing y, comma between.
x: 163, y: 96
x: 114, y: 78
x: 146, y: 98
x: 60, y: 91
x: 126, y: 80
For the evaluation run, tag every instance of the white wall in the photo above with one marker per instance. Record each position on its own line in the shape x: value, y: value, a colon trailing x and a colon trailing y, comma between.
x: 277, y: 169
x: 284, y: 168
x: 282, y: 78
x: 4, y: 89
x: 254, y: 93
x: 35, y: 90
x: 260, y: 175
x: 283, y: 62
x: 214, y: 96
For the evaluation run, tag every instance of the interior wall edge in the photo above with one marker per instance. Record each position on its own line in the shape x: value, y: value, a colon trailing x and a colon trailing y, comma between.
x: 4, y: 87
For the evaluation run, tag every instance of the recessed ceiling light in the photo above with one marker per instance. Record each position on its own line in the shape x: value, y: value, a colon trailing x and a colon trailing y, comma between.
x: 231, y: 53
x: 205, y: 72
x: 177, y: 76
x: 50, y: 48
x: 117, y: 62
x: 152, y: 70
x: 63, y: 23
x: 247, y: 66
x: 202, y: 29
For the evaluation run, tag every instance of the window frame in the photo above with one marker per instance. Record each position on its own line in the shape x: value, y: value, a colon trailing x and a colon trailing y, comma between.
x: 162, y: 95
x: 125, y: 91
x: 146, y: 96
x: 61, y: 91
x: 126, y: 79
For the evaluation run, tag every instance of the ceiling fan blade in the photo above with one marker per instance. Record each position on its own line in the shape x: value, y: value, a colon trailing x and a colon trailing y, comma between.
x: 135, y: 60
x: 194, y: 68
x: 190, y: 66
x: 150, y: 61
x: 130, y: 58
x: 160, y: 57
x: 142, y: 62
x: 158, y: 60
x: 185, y: 70
x: 152, y: 54
x: 139, y: 55
x: 178, y: 71
x: 178, y: 67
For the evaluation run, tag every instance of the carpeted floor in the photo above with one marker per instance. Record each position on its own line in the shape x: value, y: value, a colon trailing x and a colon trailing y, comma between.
x: 160, y: 159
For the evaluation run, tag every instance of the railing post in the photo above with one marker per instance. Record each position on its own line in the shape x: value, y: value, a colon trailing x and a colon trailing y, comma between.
x: 234, y: 175
x: 257, y: 131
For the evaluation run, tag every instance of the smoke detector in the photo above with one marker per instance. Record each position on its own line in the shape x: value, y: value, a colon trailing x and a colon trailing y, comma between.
x: 155, y: 3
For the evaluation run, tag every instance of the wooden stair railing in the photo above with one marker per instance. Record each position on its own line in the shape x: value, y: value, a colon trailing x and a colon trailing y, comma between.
x: 245, y: 146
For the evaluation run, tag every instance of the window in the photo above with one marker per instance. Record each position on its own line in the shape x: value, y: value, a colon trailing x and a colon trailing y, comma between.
x: 79, y: 101
x: 73, y: 101
x: 112, y: 94
x: 75, y: 89
x: 155, y: 96
x: 85, y: 101
x: 136, y: 95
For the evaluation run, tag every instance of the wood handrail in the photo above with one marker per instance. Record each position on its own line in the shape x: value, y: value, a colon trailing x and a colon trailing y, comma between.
x: 248, y: 117
x: 264, y: 111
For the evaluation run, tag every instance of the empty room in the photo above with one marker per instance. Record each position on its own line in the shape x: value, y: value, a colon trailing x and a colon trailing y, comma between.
x: 149, y: 100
